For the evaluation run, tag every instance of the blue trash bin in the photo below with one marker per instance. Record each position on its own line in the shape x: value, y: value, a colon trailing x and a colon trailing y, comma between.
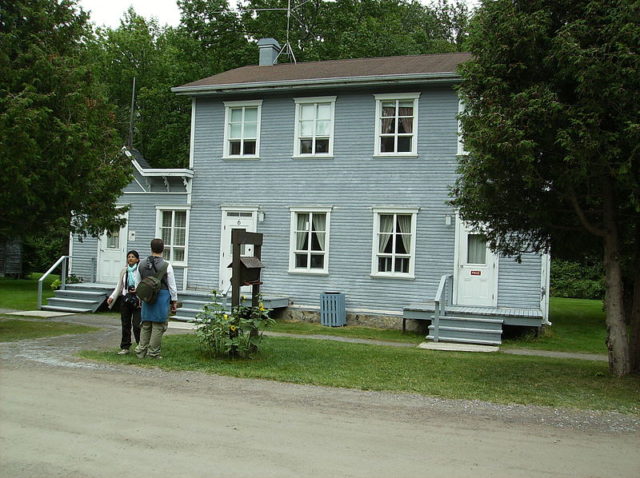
x: 333, y: 312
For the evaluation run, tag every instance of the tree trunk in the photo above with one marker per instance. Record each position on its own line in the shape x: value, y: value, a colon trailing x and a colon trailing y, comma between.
x: 634, y: 317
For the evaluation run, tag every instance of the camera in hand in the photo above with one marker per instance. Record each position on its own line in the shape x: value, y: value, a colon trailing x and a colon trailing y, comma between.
x: 131, y: 299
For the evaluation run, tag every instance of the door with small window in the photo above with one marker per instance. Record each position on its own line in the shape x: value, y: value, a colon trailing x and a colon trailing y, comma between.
x: 234, y: 219
x: 477, y: 269
x: 111, y: 258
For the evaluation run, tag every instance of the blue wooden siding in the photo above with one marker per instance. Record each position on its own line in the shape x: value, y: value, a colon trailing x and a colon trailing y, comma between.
x: 352, y: 183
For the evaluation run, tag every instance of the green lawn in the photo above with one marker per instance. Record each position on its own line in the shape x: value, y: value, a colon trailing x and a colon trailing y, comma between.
x: 492, y: 377
x: 14, y: 329
x: 577, y: 326
x: 22, y: 294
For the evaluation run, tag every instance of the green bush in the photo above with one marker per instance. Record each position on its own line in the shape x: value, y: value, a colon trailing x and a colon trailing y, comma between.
x: 234, y: 334
x: 577, y: 280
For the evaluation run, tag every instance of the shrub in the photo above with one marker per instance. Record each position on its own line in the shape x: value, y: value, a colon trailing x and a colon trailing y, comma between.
x: 577, y: 280
x: 237, y: 333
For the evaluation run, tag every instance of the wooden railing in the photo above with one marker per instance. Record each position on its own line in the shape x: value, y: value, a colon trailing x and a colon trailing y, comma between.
x: 442, y: 299
x: 63, y: 277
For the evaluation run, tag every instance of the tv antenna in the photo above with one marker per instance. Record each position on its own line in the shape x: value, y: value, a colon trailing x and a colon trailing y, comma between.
x: 286, y: 49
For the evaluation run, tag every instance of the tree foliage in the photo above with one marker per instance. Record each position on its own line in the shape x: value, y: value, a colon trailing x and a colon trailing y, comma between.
x: 552, y: 126
x: 58, y: 150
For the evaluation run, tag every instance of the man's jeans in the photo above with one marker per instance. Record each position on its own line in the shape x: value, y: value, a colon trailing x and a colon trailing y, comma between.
x: 151, y: 339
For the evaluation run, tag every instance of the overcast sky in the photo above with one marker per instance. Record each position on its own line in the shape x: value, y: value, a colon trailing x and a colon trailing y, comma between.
x: 109, y: 12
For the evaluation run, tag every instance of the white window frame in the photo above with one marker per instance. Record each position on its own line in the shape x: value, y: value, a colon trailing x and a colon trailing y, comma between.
x: 380, y: 98
x: 377, y: 212
x: 230, y: 105
x: 461, y: 150
x: 173, y: 209
x: 331, y: 100
x: 293, y: 240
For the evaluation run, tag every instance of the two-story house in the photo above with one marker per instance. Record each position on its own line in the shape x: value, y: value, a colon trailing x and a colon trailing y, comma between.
x: 345, y: 167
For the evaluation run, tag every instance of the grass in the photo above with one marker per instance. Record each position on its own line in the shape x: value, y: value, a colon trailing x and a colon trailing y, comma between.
x: 22, y: 294
x: 12, y: 330
x: 577, y: 326
x: 498, y: 378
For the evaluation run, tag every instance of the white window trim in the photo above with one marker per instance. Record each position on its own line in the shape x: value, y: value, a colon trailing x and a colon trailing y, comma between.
x: 414, y: 139
x: 228, y: 105
x: 292, y: 240
x: 296, y: 138
x: 461, y: 150
x: 159, y: 211
x: 377, y: 211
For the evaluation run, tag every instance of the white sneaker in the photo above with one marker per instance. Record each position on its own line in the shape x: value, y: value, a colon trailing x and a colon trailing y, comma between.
x: 124, y: 352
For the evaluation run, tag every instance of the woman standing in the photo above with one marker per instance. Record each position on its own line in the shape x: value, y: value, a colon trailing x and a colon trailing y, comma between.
x: 129, y: 303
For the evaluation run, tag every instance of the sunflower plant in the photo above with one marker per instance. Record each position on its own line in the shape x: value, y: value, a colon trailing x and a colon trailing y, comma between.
x: 235, y: 333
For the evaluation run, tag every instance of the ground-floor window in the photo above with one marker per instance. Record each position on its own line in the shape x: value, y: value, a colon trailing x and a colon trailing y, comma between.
x: 393, y: 252
x: 309, y: 244
x: 172, y: 228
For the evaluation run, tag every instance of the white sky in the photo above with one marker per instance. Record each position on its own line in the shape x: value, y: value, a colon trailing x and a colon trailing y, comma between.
x: 109, y: 12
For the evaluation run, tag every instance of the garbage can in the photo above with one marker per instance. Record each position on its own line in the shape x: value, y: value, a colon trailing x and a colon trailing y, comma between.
x: 333, y: 312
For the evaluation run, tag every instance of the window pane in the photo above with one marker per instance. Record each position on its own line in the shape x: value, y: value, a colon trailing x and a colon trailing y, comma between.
x: 166, y: 218
x: 384, y: 264
x: 322, y: 146
x: 165, y: 235
x: 302, y: 243
x: 179, y: 237
x: 251, y: 115
x: 181, y: 219
x: 307, y: 112
x: 301, y: 261
x: 236, y: 115
x: 402, y: 265
x: 388, y: 108
x: 405, y: 125
x: 249, y: 147
x: 324, y: 111
x: 388, y: 126
x: 166, y: 253
x: 476, y: 249
x: 178, y: 254
x: 317, y: 261
x: 306, y: 128
x: 404, y: 144
x: 235, y: 131
x: 322, y: 128
x: 387, y: 144
x: 305, y: 146
x: 250, y: 130
x: 234, y: 147
x: 405, y: 105
x: 385, y: 244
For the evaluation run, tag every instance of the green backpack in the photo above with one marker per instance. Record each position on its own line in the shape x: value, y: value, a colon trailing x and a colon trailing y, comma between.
x: 149, y: 287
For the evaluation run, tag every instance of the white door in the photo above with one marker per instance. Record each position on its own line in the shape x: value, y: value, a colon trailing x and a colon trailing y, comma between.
x: 234, y: 219
x: 476, y: 270
x: 112, y: 250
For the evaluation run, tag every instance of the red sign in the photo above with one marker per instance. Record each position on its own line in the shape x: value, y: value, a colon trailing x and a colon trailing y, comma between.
x: 476, y: 273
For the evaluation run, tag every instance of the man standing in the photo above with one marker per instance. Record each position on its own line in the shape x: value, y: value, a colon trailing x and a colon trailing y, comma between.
x: 155, y: 316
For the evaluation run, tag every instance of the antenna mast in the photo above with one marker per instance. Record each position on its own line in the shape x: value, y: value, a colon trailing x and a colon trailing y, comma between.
x: 286, y: 48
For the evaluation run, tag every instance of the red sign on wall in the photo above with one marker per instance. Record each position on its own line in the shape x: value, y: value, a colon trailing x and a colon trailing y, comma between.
x: 476, y: 273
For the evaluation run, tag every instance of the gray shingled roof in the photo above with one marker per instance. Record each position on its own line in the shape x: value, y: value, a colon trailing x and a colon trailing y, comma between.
x: 440, y: 66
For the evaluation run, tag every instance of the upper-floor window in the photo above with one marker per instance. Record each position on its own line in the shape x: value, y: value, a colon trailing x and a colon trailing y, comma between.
x: 309, y: 246
x: 394, y: 247
x: 242, y: 129
x: 396, y: 124
x: 314, y: 127
x: 171, y: 227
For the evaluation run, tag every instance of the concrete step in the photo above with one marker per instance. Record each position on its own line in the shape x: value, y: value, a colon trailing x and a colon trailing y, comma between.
x: 73, y: 310
x: 466, y: 341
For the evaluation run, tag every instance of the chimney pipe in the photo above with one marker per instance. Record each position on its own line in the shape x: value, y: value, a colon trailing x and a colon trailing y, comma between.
x: 269, y: 49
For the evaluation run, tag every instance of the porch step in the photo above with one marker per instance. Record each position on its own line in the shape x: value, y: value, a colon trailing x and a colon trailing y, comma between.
x: 77, y: 299
x: 470, y: 330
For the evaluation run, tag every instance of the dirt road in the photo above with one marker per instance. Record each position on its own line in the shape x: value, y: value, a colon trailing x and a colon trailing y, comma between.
x: 63, y: 417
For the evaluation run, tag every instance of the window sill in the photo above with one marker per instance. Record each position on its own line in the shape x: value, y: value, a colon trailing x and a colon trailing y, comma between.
x: 394, y: 155
x: 307, y: 272
x: 241, y: 158
x: 327, y: 156
x: 395, y: 277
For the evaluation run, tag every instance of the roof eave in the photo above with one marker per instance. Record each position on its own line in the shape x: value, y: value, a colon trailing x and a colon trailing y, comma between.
x: 316, y: 83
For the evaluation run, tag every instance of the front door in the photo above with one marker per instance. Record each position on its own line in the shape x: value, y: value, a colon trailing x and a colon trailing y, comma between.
x: 112, y: 250
x: 477, y: 269
x: 240, y: 218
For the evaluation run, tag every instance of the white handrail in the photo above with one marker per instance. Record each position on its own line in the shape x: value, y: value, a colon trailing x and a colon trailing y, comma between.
x: 63, y: 277
x: 440, y: 308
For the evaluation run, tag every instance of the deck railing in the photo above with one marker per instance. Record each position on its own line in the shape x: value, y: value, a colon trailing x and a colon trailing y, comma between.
x: 443, y: 298
x: 63, y: 277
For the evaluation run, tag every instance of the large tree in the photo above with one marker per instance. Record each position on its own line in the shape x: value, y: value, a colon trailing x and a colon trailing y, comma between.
x: 59, y: 152
x: 552, y: 126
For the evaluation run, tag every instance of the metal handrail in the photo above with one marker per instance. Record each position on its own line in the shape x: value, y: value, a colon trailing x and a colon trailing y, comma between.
x: 440, y: 304
x: 63, y: 277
